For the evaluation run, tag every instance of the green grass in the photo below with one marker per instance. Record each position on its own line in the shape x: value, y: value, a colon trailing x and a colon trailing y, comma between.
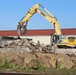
x: 5, y: 66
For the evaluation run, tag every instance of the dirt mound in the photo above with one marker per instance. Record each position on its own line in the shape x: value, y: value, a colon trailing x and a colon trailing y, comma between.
x: 37, y: 58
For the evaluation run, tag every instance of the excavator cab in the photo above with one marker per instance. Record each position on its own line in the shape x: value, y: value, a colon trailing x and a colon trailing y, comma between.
x: 56, y: 39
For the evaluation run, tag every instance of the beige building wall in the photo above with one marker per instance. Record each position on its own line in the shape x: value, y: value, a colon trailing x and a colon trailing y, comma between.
x: 42, y: 39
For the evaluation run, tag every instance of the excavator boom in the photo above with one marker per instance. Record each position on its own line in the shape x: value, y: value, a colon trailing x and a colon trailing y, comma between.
x: 31, y: 12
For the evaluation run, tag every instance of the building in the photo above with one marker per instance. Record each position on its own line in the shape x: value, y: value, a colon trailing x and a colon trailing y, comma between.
x: 43, y: 36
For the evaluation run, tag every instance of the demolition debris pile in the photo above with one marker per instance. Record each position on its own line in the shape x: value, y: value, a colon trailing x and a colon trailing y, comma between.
x: 25, y: 52
x: 24, y: 44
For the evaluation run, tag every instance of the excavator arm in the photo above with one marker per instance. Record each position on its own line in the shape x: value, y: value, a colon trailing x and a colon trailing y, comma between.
x: 47, y: 16
x: 26, y: 18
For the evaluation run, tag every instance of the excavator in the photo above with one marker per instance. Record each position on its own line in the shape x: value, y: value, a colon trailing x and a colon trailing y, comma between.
x: 56, y: 38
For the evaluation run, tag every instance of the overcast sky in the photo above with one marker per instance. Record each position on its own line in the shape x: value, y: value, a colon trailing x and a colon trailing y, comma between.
x: 12, y: 11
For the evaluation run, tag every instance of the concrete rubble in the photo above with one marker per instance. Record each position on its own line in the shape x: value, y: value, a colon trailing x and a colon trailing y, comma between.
x: 27, y: 45
x: 24, y: 44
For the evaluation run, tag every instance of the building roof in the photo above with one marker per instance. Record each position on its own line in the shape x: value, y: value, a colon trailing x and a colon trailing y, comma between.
x: 38, y: 32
